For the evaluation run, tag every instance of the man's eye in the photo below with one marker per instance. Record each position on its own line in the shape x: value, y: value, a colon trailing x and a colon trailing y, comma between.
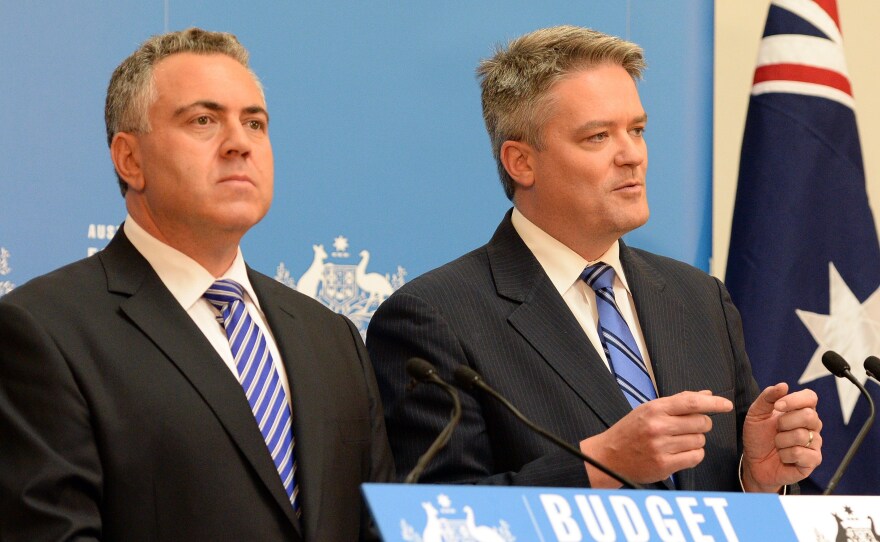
x: 640, y: 131
x: 598, y: 138
x: 255, y: 124
x: 203, y: 120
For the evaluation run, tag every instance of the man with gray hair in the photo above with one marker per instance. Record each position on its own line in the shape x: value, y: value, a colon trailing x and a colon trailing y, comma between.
x: 636, y: 359
x: 162, y: 389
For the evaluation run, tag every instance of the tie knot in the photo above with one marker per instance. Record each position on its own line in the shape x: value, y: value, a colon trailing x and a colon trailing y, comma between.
x: 599, y: 276
x: 223, y: 292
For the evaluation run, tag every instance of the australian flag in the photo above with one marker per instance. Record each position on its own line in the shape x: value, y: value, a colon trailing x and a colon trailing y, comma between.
x: 804, y: 264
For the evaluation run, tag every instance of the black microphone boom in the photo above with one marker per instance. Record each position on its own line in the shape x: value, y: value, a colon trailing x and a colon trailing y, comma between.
x: 423, y: 371
x: 838, y: 366
x: 467, y: 377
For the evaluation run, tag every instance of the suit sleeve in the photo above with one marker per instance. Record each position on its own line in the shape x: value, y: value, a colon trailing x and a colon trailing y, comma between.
x: 50, y: 475
x: 406, y: 326
x: 747, y: 389
x: 382, y: 465
x: 381, y: 459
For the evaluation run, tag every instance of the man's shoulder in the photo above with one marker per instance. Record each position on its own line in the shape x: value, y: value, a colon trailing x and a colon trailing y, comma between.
x: 68, y: 282
x: 667, y: 266
x: 684, y: 280
x: 465, y: 273
x: 272, y: 291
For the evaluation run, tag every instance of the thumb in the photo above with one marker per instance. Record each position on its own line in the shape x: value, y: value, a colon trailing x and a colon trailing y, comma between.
x: 763, y: 405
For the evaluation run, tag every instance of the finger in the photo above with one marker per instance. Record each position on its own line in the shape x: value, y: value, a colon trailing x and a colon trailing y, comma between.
x: 689, y: 424
x: 690, y: 402
x: 683, y: 460
x: 806, y: 418
x: 801, y: 456
x: 802, y: 437
x: 805, y: 398
x: 684, y: 443
x: 765, y: 403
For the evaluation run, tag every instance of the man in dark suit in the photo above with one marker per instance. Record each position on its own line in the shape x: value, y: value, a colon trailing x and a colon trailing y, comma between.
x: 161, y: 389
x: 633, y: 357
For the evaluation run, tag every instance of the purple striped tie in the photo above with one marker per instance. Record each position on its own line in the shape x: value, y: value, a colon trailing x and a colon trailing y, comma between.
x: 259, y: 378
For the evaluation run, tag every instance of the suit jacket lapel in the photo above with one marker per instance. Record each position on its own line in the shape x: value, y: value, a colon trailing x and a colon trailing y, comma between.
x: 159, y: 316
x: 310, y: 423
x: 546, y: 322
x: 662, y: 318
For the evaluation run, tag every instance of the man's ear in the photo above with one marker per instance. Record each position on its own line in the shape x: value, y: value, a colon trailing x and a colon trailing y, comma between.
x: 518, y: 158
x: 126, y: 156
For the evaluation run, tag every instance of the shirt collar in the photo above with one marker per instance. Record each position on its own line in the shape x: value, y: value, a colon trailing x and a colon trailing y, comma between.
x: 562, y: 265
x: 184, y: 277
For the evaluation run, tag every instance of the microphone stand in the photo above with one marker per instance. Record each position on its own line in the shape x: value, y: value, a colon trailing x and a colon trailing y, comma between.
x: 840, y: 368
x: 423, y: 371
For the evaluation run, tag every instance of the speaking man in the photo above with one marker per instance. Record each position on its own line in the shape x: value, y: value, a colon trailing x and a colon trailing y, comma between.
x: 635, y: 358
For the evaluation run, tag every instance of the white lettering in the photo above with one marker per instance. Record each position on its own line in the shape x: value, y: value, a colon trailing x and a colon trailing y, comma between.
x: 719, y: 505
x: 92, y: 251
x: 101, y: 231
x: 631, y: 522
x: 596, y: 518
x: 662, y: 516
x: 559, y: 513
x: 693, y: 519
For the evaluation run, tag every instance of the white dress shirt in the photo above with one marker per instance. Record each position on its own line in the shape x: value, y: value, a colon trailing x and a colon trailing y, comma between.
x: 564, y: 267
x: 188, y: 281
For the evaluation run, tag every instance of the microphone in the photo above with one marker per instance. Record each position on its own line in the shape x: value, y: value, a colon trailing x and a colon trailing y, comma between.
x: 840, y: 368
x: 424, y: 371
x: 468, y: 378
x: 872, y: 367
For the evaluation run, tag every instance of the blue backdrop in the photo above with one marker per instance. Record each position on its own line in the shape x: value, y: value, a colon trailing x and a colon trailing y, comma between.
x: 376, y: 125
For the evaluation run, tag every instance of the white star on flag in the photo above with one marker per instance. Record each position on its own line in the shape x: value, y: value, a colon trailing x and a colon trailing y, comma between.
x: 852, y: 329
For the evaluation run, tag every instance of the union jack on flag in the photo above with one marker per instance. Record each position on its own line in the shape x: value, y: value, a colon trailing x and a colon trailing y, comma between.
x: 804, y: 263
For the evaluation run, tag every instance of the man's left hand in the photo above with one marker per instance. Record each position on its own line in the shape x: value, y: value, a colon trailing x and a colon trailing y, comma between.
x: 782, y: 443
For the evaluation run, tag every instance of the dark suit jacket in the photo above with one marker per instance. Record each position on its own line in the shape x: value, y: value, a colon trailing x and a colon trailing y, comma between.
x: 119, y: 421
x: 496, y: 310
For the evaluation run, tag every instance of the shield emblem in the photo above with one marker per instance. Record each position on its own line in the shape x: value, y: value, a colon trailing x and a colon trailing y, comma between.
x: 338, y: 286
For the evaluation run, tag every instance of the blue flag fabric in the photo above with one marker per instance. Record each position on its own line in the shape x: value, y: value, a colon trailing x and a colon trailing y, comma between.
x: 804, y: 263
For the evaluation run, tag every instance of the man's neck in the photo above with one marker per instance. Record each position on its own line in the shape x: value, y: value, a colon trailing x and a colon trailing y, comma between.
x: 588, y: 245
x: 215, y: 253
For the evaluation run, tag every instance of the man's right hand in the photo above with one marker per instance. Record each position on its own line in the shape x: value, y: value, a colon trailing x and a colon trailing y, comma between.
x: 656, y: 439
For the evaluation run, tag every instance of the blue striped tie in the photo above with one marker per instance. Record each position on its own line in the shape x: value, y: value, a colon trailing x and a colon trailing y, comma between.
x: 259, y: 378
x: 617, y: 339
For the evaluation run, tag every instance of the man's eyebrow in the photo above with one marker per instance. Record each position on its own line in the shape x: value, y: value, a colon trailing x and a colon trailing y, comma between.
x: 204, y: 104
x: 257, y: 110
x: 214, y: 106
x: 595, y: 124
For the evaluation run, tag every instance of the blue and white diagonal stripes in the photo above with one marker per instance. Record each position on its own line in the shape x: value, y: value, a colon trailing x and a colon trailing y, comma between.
x: 259, y: 378
x: 617, y: 339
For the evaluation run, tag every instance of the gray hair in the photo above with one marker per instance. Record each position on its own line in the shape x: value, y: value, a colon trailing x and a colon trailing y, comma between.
x: 515, y: 82
x: 131, y: 90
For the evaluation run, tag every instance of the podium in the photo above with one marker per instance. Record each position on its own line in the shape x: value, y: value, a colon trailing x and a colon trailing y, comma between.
x: 454, y: 513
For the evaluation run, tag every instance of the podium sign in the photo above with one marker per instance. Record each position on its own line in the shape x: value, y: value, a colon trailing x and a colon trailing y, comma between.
x: 447, y: 513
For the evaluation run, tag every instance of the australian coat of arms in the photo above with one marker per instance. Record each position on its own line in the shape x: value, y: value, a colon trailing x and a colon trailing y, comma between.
x: 344, y: 286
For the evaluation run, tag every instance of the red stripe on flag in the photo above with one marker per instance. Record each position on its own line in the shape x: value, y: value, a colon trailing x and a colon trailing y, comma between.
x: 805, y: 74
x: 830, y: 7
